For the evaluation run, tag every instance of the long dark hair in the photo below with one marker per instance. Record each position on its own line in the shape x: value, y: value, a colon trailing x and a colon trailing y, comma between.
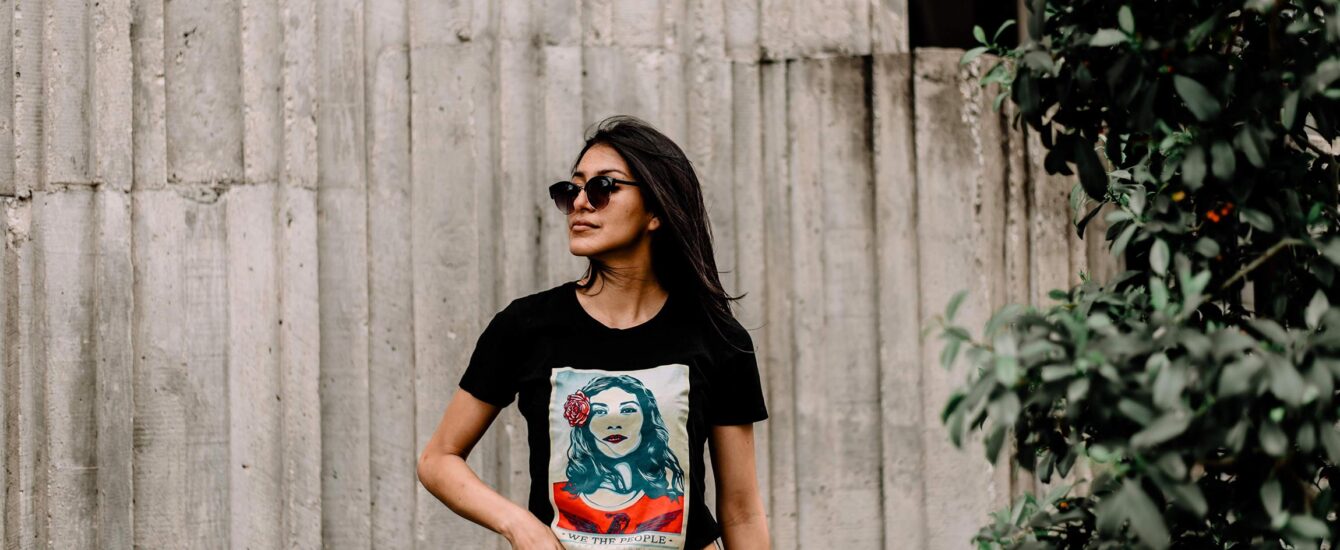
x: 588, y: 467
x: 682, y: 256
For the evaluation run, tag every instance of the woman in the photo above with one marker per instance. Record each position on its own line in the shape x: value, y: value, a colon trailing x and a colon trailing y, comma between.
x: 622, y: 475
x: 651, y: 308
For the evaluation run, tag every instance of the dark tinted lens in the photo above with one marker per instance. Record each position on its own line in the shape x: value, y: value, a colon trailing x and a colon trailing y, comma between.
x: 564, y: 193
x: 598, y: 191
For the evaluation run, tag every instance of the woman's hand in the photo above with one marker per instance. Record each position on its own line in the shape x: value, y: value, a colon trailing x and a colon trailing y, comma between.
x: 530, y: 534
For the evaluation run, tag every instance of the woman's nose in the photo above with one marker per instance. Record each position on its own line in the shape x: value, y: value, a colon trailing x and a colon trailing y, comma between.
x: 580, y: 203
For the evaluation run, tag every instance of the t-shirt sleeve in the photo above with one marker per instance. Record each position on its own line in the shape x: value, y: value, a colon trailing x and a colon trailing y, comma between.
x: 737, y: 391
x: 491, y: 373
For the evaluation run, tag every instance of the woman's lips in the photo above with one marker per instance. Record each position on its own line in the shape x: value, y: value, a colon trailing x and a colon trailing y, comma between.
x: 615, y: 438
x: 583, y: 227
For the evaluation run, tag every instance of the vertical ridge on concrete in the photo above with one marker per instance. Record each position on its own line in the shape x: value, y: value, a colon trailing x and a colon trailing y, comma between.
x: 897, y: 289
x: 1017, y: 259
x: 66, y: 107
x: 149, y: 101
x: 29, y: 92
x: 849, y: 367
x: 181, y: 404
x: 9, y: 350
x: 181, y: 335
x: 7, y: 152
x: 255, y: 391
x: 25, y: 451
x: 517, y: 217
x: 889, y: 31
x: 390, y: 276
x: 775, y: 38
x: 751, y: 249
x: 991, y: 223
x: 299, y: 295
x: 112, y: 101
x: 1048, y: 228
x: 742, y: 21
x: 25, y: 508
x: 777, y: 359
x: 342, y: 232
x: 951, y: 187
x: 452, y: 168
x: 559, y: 129
x: 806, y: 92
x: 64, y: 261
x: 203, y: 95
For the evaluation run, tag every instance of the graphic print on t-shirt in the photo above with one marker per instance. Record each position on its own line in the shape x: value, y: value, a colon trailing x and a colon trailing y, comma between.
x: 618, y: 457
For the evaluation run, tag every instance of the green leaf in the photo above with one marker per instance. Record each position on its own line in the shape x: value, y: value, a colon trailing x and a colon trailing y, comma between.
x: 1119, y: 245
x: 972, y: 54
x: 979, y: 34
x: 1007, y: 24
x: 1158, y: 257
x: 1125, y: 20
x: 1223, y: 160
x: 1146, y: 517
x: 1273, y: 440
x: 1189, y: 497
x: 1286, y: 383
x: 1252, y: 146
x: 1107, y: 37
x: 1236, y: 377
x: 1079, y: 389
x: 994, y: 441
x: 1236, y: 436
x: 1315, y: 309
x: 1040, y: 61
x: 1168, y: 387
x: 949, y: 353
x: 1198, y: 98
x: 1135, y: 411
x: 1158, y: 293
x: 1330, y: 440
x: 1272, y: 497
x: 1091, y: 172
x: 1207, y: 247
x: 1193, y: 167
x: 954, y: 302
x: 1309, y: 527
x: 1270, y: 329
x: 1165, y: 428
x: 1258, y: 219
x: 1289, y: 111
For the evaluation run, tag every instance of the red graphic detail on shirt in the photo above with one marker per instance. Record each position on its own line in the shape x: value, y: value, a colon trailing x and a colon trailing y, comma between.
x: 663, y: 514
x: 576, y: 409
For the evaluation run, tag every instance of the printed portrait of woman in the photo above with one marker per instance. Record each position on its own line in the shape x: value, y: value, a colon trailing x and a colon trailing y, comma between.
x: 623, y: 474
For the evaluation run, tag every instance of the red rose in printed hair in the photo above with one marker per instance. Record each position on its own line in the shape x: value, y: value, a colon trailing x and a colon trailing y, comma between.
x: 577, y: 409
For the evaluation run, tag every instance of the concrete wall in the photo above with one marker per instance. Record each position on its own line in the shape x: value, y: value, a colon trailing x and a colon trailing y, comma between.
x: 248, y: 247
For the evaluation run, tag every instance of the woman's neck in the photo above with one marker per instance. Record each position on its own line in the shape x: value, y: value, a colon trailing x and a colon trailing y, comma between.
x: 624, y: 300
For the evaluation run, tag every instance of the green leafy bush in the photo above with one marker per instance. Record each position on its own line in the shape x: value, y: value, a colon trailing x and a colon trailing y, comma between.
x: 1200, y: 385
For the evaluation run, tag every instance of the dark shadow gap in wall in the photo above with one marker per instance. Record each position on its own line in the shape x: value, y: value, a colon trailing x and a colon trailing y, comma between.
x: 948, y: 23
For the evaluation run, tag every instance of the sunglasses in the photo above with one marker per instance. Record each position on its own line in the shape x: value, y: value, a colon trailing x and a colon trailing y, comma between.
x: 597, y: 189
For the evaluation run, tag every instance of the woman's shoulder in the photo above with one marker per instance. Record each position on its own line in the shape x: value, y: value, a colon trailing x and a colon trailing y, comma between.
x: 537, y: 304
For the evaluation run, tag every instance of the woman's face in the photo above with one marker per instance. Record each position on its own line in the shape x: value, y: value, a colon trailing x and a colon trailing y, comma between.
x: 616, y: 422
x: 621, y: 224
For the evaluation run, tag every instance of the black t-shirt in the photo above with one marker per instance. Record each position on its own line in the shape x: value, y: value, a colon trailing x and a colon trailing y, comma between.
x: 617, y: 419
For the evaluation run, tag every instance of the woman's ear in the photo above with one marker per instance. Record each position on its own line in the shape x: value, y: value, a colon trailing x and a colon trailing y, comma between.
x: 654, y: 223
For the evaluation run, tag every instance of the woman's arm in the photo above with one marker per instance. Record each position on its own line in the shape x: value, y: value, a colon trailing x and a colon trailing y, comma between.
x: 739, y: 503
x: 443, y: 471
